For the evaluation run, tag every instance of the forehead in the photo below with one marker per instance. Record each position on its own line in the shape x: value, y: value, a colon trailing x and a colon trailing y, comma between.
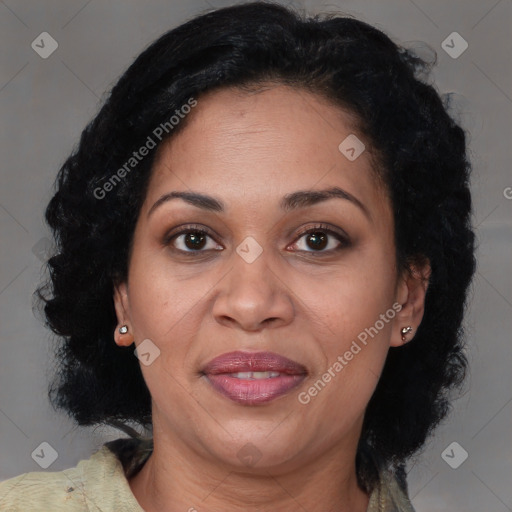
x: 252, y: 147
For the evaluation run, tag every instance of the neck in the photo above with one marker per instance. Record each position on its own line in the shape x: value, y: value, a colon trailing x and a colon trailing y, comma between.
x: 177, y: 478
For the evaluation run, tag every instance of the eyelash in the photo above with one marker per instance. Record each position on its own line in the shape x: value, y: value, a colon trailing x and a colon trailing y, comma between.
x: 343, y: 239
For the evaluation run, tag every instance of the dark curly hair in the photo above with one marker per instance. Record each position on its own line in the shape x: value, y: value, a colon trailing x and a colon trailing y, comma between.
x: 420, y: 156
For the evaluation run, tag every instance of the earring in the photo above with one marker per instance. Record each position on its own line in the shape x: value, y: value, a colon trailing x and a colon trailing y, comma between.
x: 126, y: 338
x: 405, y: 331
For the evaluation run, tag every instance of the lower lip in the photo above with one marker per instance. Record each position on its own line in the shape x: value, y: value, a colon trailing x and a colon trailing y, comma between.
x: 254, y: 391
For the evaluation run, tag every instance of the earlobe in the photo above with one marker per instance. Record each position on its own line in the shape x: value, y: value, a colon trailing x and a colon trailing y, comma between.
x: 122, y: 336
x: 411, y: 293
x: 122, y: 333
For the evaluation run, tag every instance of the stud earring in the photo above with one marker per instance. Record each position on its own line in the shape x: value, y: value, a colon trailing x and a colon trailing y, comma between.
x: 126, y: 338
x: 405, y: 331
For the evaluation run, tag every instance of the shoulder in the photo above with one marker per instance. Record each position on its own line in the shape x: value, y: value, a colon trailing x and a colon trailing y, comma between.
x: 95, y: 483
x: 38, y: 491
x: 390, y: 494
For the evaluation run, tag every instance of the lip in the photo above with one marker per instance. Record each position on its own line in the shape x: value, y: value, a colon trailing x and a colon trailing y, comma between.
x: 253, y: 391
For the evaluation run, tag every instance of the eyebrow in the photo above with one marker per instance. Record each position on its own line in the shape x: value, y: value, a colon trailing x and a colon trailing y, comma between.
x: 290, y: 202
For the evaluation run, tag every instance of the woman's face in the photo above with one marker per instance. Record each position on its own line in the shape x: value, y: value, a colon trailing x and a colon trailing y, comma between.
x: 255, y: 283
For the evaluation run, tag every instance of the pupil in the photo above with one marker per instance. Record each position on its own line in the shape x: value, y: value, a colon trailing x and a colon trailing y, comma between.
x: 319, y: 239
x: 196, y: 240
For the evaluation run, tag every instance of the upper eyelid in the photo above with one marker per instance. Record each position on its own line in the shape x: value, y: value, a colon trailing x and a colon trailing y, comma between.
x: 324, y: 226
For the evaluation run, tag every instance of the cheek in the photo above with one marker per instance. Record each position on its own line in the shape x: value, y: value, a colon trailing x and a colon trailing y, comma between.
x: 354, y: 311
x: 169, y: 305
x: 158, y: 300
x: 351, y: 298
x: 354, y: 351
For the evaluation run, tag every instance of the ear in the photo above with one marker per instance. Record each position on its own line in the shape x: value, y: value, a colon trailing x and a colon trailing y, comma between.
x: 122, y: 307
x: 411, y: 291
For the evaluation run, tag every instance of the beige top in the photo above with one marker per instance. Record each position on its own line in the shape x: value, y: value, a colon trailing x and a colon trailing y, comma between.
x: 101, y: 483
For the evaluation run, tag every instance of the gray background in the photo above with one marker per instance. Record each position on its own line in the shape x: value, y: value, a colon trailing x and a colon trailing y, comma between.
x: 45, y: 103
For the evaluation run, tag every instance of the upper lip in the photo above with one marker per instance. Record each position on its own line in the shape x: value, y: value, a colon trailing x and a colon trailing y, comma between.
x: 239, y: 361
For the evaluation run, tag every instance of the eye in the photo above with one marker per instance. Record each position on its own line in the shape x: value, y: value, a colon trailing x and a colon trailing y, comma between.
x: 194, y: 240
x: 190, y: 240
x: 317, y: 239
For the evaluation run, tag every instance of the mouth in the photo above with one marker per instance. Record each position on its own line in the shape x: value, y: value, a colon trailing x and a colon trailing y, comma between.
x: 252, y: 378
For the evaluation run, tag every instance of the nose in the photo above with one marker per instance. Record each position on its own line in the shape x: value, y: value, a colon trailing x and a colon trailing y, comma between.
x: 253, y: 296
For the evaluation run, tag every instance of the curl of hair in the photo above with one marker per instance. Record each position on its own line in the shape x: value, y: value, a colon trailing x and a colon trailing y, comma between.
x: 420, y: 157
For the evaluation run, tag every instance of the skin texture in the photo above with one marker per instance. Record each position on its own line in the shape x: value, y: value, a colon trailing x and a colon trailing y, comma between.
x: 250, y: 150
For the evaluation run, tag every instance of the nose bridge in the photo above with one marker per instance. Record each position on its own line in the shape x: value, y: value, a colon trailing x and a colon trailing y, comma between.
x: 252, y: 267
x: 249, y: 250
x: 252, y: 293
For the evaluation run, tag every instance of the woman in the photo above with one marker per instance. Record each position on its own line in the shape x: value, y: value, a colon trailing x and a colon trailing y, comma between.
x: 273, y: 214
